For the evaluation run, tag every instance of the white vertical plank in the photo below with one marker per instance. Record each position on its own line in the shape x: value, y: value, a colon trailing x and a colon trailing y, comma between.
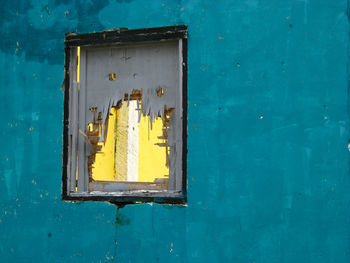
x: 133, y: 143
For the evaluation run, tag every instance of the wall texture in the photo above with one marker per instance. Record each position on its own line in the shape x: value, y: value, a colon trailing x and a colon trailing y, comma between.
x: 268, y: 129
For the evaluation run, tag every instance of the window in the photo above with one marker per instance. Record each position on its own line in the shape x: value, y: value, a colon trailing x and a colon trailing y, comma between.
x: 125, y: 116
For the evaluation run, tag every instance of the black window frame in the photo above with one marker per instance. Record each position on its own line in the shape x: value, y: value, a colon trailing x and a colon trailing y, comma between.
x: 115, y: 37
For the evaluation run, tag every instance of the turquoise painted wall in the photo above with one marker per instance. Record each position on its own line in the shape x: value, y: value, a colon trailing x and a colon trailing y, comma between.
x: 268, y: 129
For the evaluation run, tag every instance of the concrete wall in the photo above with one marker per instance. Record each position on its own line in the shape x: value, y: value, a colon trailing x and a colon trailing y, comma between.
x: 268, y: 177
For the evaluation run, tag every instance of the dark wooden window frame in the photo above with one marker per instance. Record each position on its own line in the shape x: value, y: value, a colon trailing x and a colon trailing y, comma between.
x: 115, y: 37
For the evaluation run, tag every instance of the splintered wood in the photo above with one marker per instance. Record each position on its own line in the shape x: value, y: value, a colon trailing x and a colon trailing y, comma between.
x: 128, y: 146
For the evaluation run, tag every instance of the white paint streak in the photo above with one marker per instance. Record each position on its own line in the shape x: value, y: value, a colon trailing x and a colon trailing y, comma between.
x: 133, y: 143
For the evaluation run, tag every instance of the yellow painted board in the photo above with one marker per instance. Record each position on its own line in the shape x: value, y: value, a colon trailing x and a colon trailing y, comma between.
x: 152, y: 158
x: 121, y: 143
x: 103, y: 167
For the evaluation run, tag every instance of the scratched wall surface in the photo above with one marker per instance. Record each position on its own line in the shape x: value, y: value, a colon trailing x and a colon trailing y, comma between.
x: 268, y: 129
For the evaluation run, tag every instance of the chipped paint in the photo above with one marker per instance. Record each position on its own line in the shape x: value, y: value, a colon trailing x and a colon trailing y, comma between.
x: 121, y: 156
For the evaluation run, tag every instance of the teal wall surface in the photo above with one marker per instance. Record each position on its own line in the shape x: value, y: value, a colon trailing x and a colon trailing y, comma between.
x: 268, y: 131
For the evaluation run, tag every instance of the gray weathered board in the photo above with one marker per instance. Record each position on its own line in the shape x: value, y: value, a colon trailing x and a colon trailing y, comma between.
x: 147, y: 66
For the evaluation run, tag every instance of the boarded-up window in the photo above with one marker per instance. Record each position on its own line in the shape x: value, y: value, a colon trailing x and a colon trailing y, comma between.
x: 125, y: 115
